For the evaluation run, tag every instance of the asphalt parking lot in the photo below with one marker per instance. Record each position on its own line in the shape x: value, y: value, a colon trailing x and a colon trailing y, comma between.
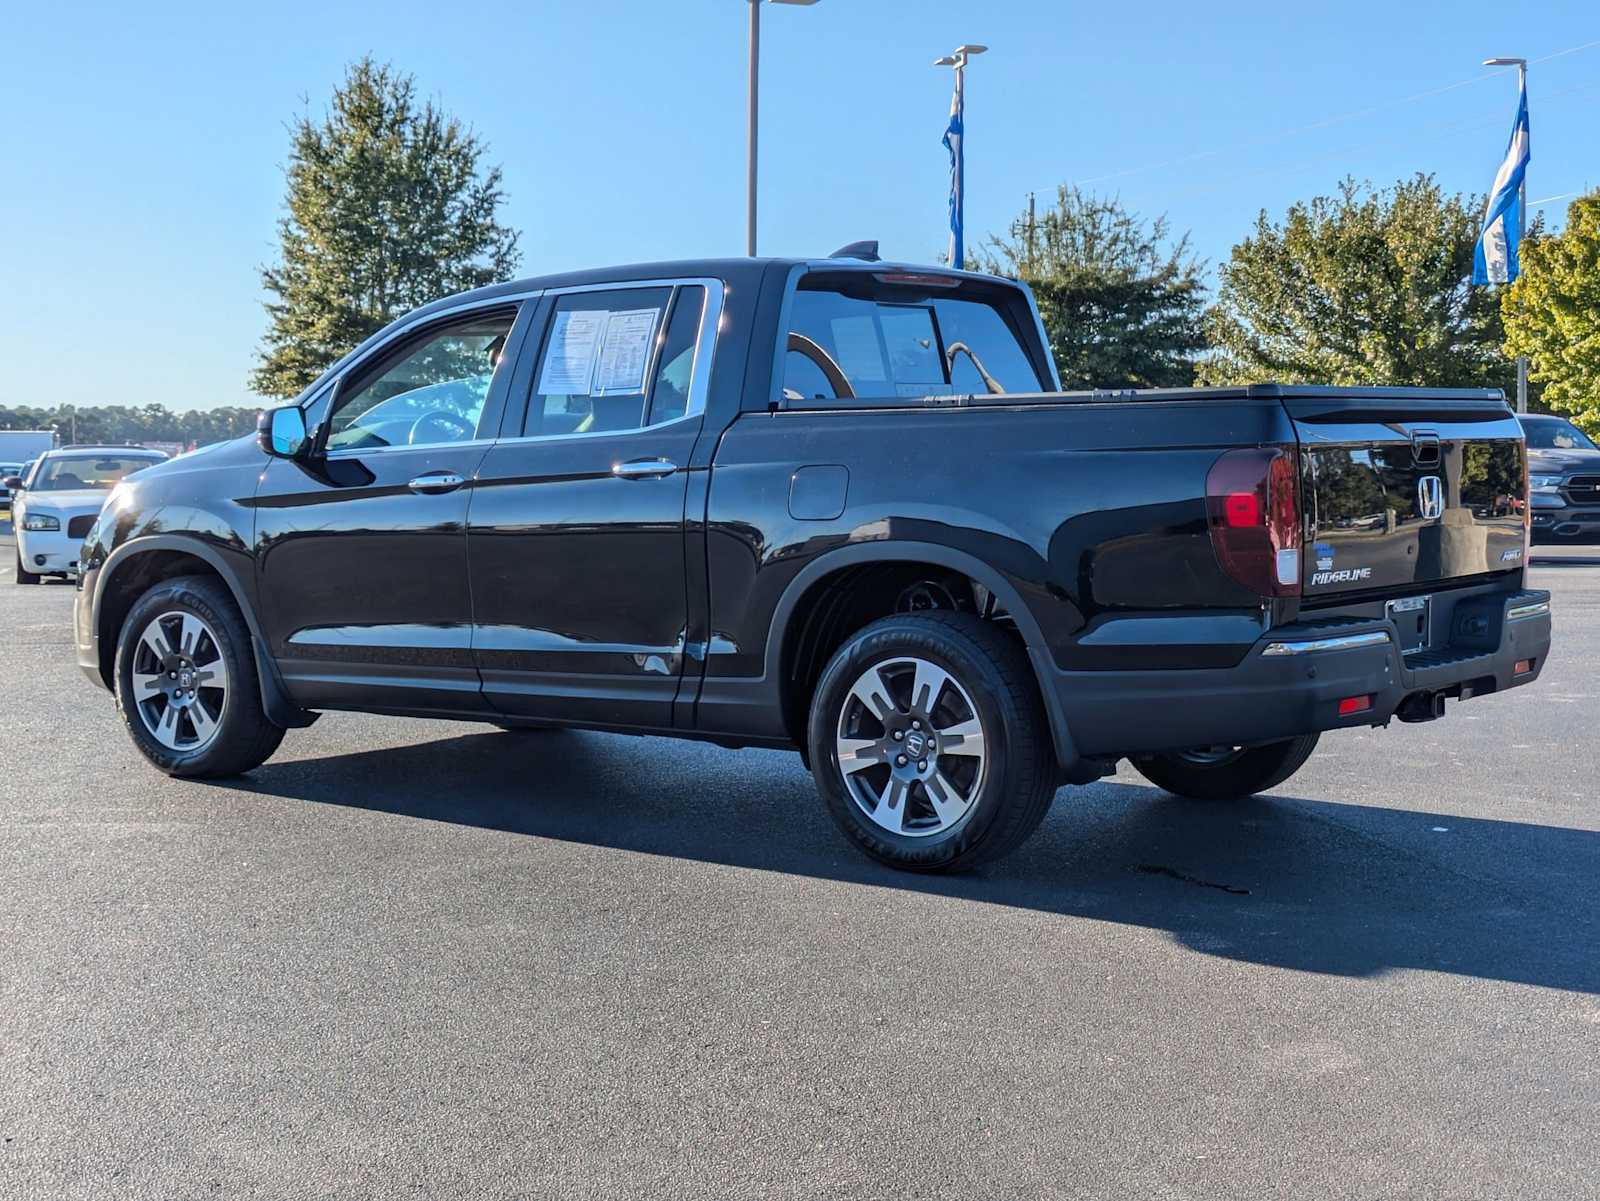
x: 425, y: 959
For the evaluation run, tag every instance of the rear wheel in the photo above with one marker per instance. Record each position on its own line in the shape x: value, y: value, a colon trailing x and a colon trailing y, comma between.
x: 186, y: 682
x: 1222, y: 773
x: 24, y: 576
x: 929, y: 743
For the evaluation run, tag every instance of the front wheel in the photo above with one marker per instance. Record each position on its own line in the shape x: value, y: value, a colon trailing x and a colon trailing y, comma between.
x: 929, y: 742
x: 186, y: 682
x: 1222, y: 773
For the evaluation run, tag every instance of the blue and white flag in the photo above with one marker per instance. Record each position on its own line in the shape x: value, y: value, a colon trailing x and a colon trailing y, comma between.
x: 952, y: 142
x: 1495, y: 260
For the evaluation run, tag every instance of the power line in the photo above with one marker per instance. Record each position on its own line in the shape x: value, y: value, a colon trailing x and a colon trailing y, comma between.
x: 1357, y: 114
x: 1438, y: 131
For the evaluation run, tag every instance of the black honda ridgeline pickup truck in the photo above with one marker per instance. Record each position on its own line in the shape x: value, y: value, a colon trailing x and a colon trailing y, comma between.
x: 834, y: 505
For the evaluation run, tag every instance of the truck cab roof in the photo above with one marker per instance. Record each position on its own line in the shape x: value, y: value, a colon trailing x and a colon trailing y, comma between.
x: 732, y: 270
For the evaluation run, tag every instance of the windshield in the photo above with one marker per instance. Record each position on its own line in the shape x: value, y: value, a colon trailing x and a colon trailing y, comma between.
x: 1557, y: 435
x: 71, y: 472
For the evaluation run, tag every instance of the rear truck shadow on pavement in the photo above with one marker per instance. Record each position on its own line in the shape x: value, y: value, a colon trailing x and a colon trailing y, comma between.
x: 1338, y: 888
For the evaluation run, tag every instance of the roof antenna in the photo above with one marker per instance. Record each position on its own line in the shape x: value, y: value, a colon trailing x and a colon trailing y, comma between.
x: 867, y: 252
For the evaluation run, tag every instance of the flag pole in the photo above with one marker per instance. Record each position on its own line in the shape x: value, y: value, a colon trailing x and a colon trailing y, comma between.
x: 1522, y: 236
x: 955, y: 141
x: 1483, y: 271
x: 958, y: 232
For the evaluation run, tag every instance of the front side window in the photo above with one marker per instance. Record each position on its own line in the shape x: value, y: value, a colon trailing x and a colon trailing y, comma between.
x: 69, y: 473
x: 431, y: 391
x: 615, y: 360
x: 870, y: 342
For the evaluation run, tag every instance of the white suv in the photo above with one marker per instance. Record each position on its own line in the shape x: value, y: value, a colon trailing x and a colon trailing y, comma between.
x: 63, y: 497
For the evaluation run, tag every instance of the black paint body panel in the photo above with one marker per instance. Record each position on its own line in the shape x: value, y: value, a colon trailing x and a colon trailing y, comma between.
x: 547, y: 587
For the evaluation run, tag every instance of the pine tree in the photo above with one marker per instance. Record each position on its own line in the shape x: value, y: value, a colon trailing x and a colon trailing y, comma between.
x: 389, y: 207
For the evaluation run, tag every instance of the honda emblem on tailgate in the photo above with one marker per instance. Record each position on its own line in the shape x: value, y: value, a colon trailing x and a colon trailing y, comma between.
x: 1430, y: 496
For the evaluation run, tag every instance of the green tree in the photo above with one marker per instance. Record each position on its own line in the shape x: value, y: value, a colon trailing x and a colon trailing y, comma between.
x: 389, y: 206
x: 1121, y: 302
x: 121, y: 423
x: 1363, y: 287
x: 1552, y: 313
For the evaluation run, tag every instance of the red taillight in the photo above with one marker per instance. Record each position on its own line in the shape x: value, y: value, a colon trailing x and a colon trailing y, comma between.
x: 1355, y: 704
x: 1252, y: 505
x: 1241, y: 509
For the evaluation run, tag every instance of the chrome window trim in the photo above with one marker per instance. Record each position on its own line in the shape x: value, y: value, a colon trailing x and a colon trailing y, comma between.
x: 1344, y: 642
x: 400, y: 330
x: 699, y: 379
x: 406, y: 324
x: 705, y: 347
x: 356, y: 452
x: 517, y: 439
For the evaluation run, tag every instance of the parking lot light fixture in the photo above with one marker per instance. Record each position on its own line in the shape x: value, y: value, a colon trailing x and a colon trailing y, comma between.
x: 753, y: 116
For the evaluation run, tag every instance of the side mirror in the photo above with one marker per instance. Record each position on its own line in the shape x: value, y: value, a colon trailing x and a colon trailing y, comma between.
x: 14, y: 482
x: 282, y: 432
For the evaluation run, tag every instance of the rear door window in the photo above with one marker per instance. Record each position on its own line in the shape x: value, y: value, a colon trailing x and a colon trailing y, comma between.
x: 896, y: 342
x: 616, y: 359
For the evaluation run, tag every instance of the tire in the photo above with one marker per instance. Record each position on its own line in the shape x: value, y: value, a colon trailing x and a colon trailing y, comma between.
x: 977, y: 798
x: 24, y: 576
x: 1212, y: 776
x: 217, y: 727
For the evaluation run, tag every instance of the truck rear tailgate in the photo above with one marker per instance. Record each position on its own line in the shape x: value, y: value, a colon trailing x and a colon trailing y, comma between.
x: 1406, y: 491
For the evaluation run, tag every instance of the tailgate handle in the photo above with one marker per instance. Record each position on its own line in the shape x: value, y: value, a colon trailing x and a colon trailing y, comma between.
x: 1425, y: 448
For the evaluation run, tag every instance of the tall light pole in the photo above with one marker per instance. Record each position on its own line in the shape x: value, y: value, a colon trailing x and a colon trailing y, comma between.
x: 753, y: 134
x: 955, y: 139
x: 1521, y: 64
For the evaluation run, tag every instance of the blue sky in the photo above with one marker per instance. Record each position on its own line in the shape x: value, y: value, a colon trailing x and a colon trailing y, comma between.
x: 144, y: 143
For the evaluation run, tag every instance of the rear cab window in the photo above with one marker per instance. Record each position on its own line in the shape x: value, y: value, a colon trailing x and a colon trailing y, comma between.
x: 896, y: 335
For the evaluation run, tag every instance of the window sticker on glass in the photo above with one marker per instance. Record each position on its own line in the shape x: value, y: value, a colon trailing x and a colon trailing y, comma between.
x: 569, y: 362
x: 624, y: 350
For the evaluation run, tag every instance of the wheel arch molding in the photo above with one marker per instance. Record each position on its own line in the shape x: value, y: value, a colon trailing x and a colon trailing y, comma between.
x: 134, y: 554
x: 939, y: 555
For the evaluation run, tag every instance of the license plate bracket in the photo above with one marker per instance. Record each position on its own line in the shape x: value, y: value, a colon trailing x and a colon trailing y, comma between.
x: 1413, y: 621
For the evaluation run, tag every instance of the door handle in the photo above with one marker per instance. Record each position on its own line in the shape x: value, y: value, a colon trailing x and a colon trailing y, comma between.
x: 644, y: 469
x: 436, y: 482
